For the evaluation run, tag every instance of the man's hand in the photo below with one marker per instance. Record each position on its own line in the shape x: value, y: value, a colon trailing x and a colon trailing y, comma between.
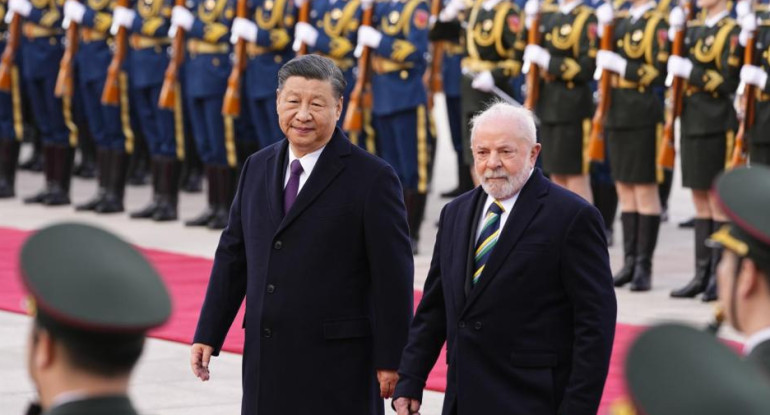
x: 387, y: 379
x: 407, y: 406
x: 200, y: 354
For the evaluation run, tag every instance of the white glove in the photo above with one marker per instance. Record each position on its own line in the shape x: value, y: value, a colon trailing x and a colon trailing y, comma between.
x: 748, y: 27
x: 365, y: 4
x: 181, y: 17
x: 742, y: 8
x: 604, y: 14
x: 299, y: 3
x: 22, y: 7
x: 676, y: 18
x: 451, y: 10
x: 537, y: 55
x: 754, y: 75
x: 74, y: 11
x: 369, y: 37
x: 483, y: 81
x: 122, y: 17
x: 531, y: 8
x: 611, y: 61
x: 243, y: 29
x: 679, y: 67
x: 304, y: 33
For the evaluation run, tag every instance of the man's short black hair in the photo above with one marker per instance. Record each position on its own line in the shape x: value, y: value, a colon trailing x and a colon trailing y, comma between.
x: 314, y: 67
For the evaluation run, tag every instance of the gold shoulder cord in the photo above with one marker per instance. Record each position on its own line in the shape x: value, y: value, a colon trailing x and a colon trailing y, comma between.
x: 473, y: 52
x: 402, y: 25
x: 98, y: 5
x: 713, y: 52
x: 348, y: 12
x: 572, y: 39
x: 497, y: 31
x: 276, y: 15
x: 149, y: 8
x: 210, y: 16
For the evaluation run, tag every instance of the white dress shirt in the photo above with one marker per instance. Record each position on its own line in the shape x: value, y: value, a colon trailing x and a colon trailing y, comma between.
x: 568, y: 8
x: 307, y: 161
x: 711, y: 21
x: 637, y: 12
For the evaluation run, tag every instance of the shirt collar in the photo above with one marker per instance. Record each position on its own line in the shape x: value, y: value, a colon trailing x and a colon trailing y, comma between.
x: 755, y: 339
x: 712, y: 21
x: 490, y: 4
x: 568, y: 8
x: 509, y: 202
x: 307, y: 161
x: 638, y: 12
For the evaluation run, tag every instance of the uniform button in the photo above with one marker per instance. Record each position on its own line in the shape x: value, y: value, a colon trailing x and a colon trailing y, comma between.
x: 267, y: 333
x: 270, y: 288
x: 278, y: 245
x: 477, y: 326
x: 461, y: 324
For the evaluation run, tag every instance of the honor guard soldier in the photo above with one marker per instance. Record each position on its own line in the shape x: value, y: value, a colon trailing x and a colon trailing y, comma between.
x: 41, y: 52
x: 331, y: 32
x: 109, y: 124
x: 638, y: 60
x: 399, y: 42
x: 568, y: 36
x: 206, y: 72
x: 269, y: 47
x: 86, y: 339
x: 163, y: 129
x: 11, y: 123
x: 711, y: 67
x: 451, y: 75
x: 494, y: 44
x: 755, y: 73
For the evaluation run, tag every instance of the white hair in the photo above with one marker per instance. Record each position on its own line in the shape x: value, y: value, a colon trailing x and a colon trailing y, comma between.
x: 522, y: 118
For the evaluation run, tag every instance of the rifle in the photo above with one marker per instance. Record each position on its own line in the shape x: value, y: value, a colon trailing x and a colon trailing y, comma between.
x: 532, y: 71
x: 111, y: 92
x: 167, y: 99
x: 740, y: 152
x: 304, y: 16
x: 597, y: 143
x: 435, y: 82
x: 360, y: 97
x: 668, y: 152
x: 9, y: 54
x: 64, y: 85
x: 231, y: 106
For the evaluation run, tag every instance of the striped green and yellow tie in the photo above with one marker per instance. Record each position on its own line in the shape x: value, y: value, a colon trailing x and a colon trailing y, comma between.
x: 490, y: 230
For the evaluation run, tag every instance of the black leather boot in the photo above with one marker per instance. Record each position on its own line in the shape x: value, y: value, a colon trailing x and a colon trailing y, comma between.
x: 9, y: 158
x: 702, y: 261
x: 464, y: 180
x: 168, y: 189
x: 102, y: 177
x: 149, y: 210
x: 213, y: 189
x: 87, y: 168
x: 630, y: 223
x: 606, y: 200
x: 710, y: 294
x: 227, y: 184
x: 116, y: 186
x: 49, y: 165
x: 645, y: 247
x: 59, y: 188
x: 664, y: 191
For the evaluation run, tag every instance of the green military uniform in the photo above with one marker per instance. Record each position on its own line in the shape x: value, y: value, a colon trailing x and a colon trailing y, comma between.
x: 92, y: 291
x: 759, y: 135
x: 633, y: 140
x: 565, y: 105
x: 674, y: 370
x: 493, y: 42
x: 708, y: 117
x: 744, y: 194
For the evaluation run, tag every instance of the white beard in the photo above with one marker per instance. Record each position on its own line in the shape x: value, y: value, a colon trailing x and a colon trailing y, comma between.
x: 511, y: 185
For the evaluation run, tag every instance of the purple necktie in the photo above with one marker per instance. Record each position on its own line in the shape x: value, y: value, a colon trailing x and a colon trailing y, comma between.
x: 292, y: 187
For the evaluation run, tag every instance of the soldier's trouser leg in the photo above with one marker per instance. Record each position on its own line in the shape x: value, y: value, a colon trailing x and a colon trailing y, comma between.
x: 264, y: 120
x: 87, y: 166
x: 222, y: 142
x: 91, y: 108
x: 49, y: 115
x: 119, y: 139
x: 9, y: 146
x: 198, y: 124
x: 464, y: 181
x: 168, y: 151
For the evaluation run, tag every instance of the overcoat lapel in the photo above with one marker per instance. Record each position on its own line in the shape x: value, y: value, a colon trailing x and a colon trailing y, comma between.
x: 525, y: 209
x: 274, y: 181
x: 328, y: 167
x: 466, y: 235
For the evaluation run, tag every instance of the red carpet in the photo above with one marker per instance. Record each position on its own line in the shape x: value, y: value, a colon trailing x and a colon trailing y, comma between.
x: 187, y: 277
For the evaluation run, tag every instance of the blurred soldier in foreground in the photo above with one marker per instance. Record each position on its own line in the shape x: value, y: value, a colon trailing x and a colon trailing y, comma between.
x: 86, y: 339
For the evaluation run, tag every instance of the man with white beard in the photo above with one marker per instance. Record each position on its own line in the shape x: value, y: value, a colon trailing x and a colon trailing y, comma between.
x: 519, y: 287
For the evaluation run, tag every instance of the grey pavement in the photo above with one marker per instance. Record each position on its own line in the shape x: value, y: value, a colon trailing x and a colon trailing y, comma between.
x: 163, y: 383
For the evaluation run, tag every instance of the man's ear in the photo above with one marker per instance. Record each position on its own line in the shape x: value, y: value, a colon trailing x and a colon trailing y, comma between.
x: 44, y: 350
x: 339, y: 108
x: 750, y: 280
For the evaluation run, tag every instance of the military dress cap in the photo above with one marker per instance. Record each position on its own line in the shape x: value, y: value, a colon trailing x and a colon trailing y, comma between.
x: 85, y: 280
x: 744, y: 196
x: 674, y: 369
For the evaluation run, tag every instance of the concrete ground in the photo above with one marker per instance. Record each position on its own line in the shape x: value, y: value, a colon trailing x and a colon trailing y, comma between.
x: 163, y: 383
